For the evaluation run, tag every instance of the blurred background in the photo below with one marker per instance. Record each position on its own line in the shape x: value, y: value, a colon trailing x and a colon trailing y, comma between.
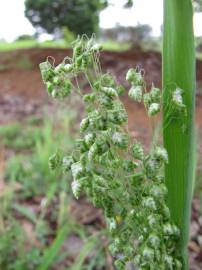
x: 41, y: 226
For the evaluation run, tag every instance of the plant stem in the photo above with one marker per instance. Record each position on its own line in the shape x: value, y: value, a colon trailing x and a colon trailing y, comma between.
x: 179, y: 70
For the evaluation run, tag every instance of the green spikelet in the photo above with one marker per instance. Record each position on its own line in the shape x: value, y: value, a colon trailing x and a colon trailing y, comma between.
x: 54, y: 161
x: 135, y: 93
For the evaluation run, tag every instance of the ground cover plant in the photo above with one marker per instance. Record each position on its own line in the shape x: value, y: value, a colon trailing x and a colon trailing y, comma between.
x: 33, y: 235
x: 114, y: 170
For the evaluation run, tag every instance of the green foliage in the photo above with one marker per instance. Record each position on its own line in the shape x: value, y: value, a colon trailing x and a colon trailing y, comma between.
x: 198, y: 5
x: 14, y: 255
x: 68, y: 35
x: 14, y: 136
x: 22, y: 169
x: 51, y: 252
x: 111, y: 167
x: 25, y: 37
x: 128, y: 4
x: 91, y: 243
x: 79, y: 16
x: 136, y: 35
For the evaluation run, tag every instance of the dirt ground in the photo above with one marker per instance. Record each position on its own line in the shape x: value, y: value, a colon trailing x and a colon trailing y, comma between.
x: 23, y: 94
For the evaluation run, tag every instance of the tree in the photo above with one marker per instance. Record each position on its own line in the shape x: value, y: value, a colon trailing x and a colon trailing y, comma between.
x: 133, y: 34
x: 79, y: 16
x: 198, y: 5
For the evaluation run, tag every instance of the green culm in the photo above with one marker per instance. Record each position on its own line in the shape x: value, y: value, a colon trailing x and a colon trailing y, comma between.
x: 178, y: 120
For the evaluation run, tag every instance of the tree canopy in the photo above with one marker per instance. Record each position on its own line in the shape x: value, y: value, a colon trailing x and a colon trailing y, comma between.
x: 198, y: 5
x: 80, y: 16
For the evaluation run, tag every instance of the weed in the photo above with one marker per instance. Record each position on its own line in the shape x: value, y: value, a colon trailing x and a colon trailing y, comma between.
x: 50, y: 226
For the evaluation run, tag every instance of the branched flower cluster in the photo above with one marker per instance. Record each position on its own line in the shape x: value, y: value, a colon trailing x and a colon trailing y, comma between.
x: 113, y: 169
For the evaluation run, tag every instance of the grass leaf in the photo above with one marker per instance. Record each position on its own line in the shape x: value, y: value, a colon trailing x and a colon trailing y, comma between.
x: 51, y: 253
x: 88, y: 246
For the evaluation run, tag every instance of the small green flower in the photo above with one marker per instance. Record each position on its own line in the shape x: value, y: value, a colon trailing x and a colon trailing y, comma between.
x: 54, y: 161
x: 84, y: 124
x: 135, y: 93
x: 138, y: 151
x: 76, y: 188
x: 67, y: 163
x: 155, y: 94
x: 148, y: 254
x: 147, y: 100
x: 154, y: 109
x: 109, y: 91
x: 47, y: 71
x: 77, y: 170
x: 154, y: 241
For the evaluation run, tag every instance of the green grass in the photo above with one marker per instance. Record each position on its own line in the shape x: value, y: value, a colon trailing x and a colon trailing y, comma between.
x: 40, y: 142
x: 28, y: 178
x: 15, y: 137
x: 27, y: 44
x: 60, y: 44
x: 112, y: 45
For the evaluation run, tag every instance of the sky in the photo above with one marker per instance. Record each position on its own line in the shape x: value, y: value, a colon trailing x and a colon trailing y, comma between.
x: 13, y: 22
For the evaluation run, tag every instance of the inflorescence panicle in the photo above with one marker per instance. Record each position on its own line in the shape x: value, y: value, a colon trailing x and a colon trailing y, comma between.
x: 113, y: 169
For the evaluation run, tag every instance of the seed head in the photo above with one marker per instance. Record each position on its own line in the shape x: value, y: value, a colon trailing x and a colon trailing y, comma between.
x: 154, y: 241
x: 68, y: 68
x: 177, y: 97
x: 120, y: 264
x: 77, y: 170
x: 135, y: 93
x: 137, y: 151
x: 84, y: 124
x: 169, y: 262
x: 54, y: 161
x: 60, y: 68
x: 148, y: 254
x: 76, y: 188
x: 109, y: 91
x: 47, y: 71
x: 92, y: 153
x: 155, y: 94
x: 67, y: 163
x: 147, y: 100
x: 160, y: 153
x: 89, y: 139
x: 152, y: 220
x: 119, y: 139
x: 149, y: 203
x: 154, y: 108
